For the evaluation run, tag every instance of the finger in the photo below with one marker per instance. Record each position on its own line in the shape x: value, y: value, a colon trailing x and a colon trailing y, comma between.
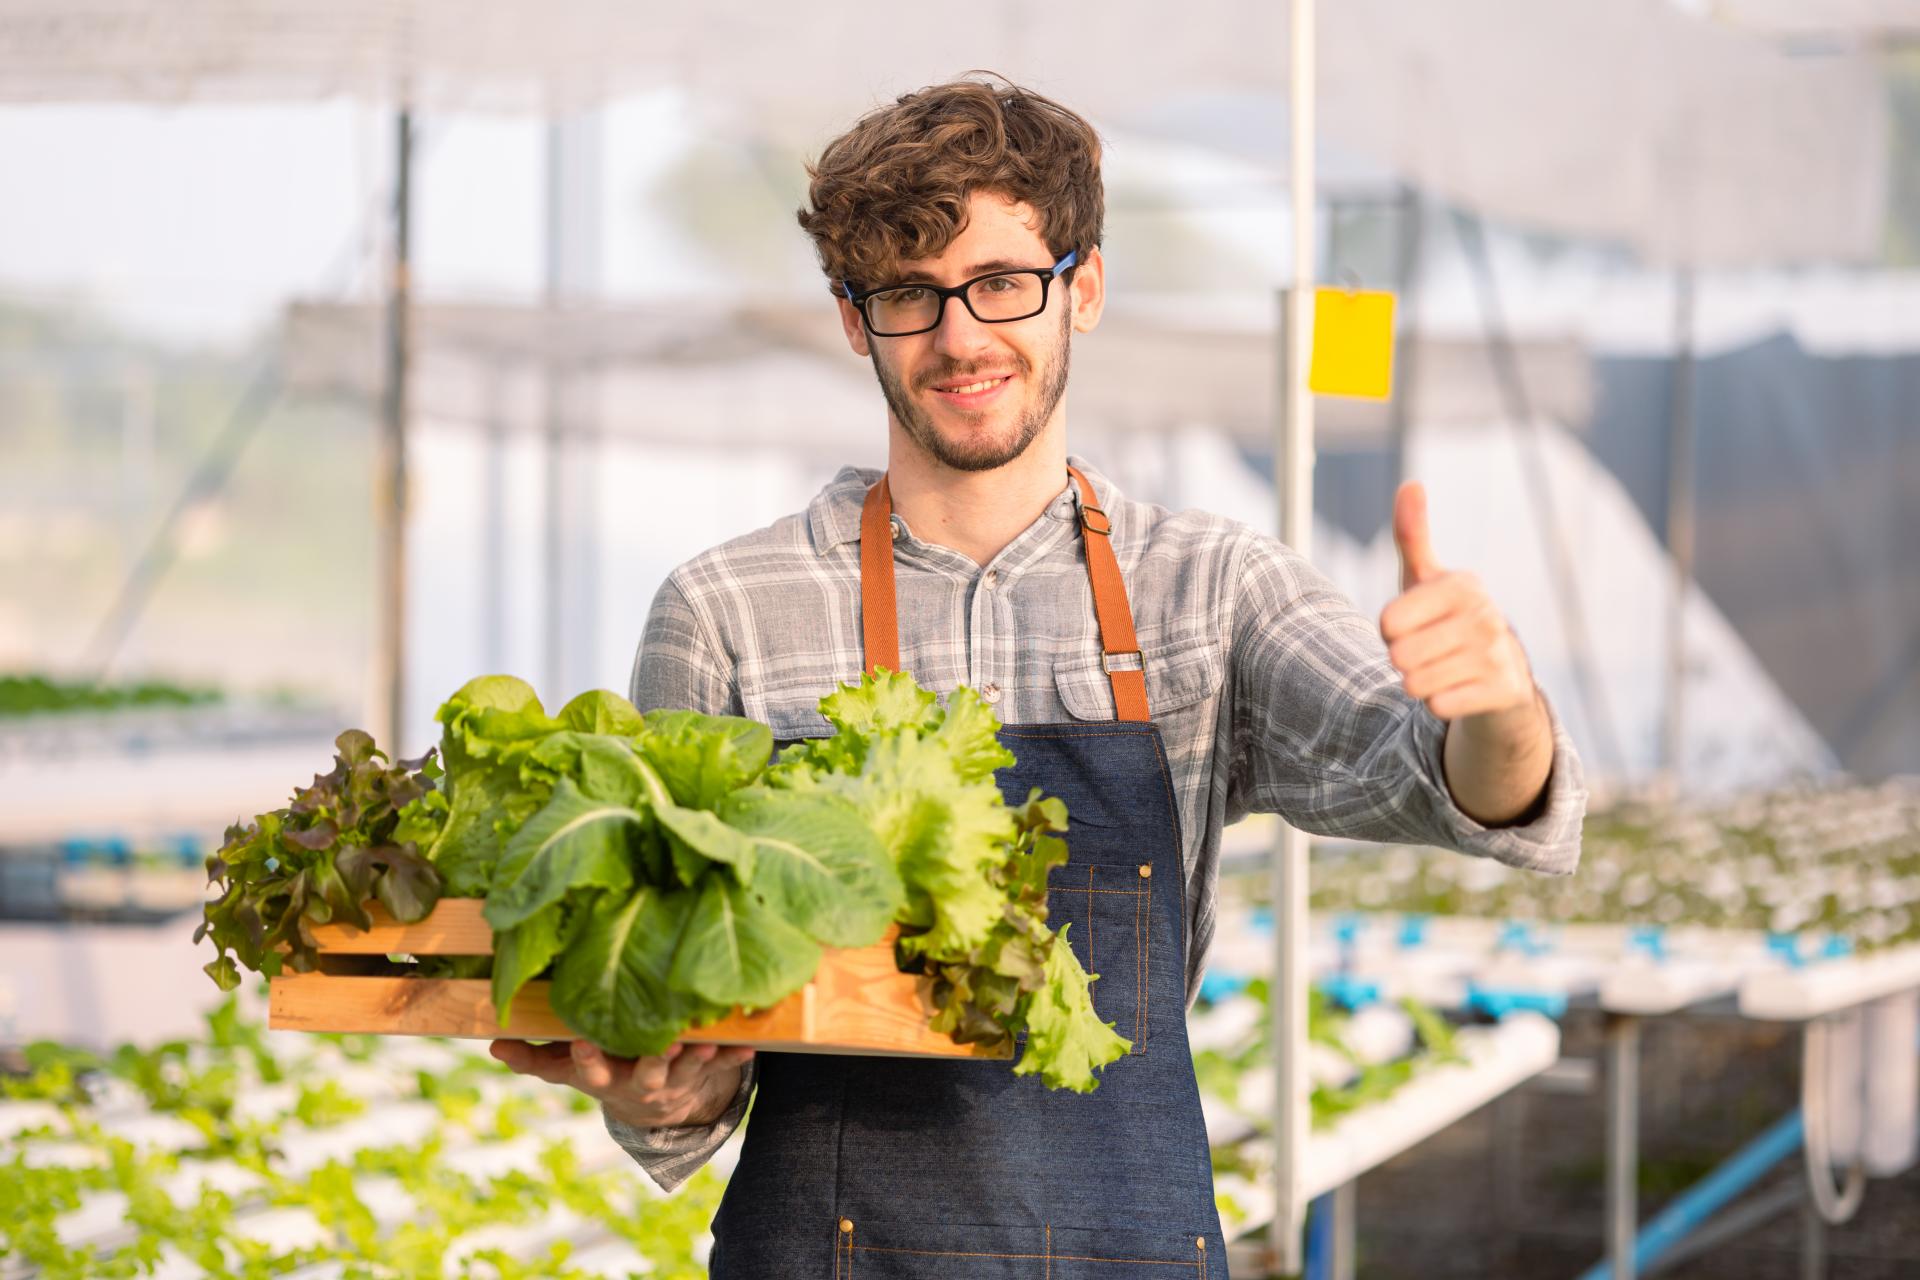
x: 1416, y: 649
x: 1464, y: 667
x: 554, y: 1069
x: 1473, y: 699
x: 1425, y: 603
x: 591, y: 1065
x: 650, y: 1074
x: 1411, y: 537
x: 690, y: 1065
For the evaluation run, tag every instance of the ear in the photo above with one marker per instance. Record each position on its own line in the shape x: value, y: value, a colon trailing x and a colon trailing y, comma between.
x: 1089, y: 291
x: 850, y: 324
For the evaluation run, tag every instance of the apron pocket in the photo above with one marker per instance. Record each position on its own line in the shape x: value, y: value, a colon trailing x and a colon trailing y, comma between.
x: 1110, y: 909
x: 925, y: 1251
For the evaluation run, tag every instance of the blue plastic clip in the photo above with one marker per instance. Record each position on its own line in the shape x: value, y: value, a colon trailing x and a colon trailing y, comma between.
x: 1650, y: 938
x: 1413, y: 929
x: 1215, y: 987
x: 1498, y: 1002
x: 1517, y: 935
x: 1347, y: 927
x: 1260, y: 920
x: 1351, y: 992
x: 1836, y: 946
x: 1787, y: 947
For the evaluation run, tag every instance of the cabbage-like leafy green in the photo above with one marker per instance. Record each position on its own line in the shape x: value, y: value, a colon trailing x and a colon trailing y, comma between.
x: 663, y: 869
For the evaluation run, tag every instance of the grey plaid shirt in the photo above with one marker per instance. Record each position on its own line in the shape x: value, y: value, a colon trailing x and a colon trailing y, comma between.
x: 1273, y: 694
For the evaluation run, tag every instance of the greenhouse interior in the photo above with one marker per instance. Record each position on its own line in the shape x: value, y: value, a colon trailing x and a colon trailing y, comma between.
x: 1375, y: 811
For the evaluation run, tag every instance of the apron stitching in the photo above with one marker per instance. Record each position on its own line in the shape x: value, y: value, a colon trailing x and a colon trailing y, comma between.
x: 1141, y: 968
x: 849, y: 1255
x: 1093, y: 963
x: 1026, y: 1257
x: 1201, y: 1249
x: 1049, y: 1272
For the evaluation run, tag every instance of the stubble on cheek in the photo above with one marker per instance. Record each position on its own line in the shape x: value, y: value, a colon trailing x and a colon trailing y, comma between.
x: 918, y: 424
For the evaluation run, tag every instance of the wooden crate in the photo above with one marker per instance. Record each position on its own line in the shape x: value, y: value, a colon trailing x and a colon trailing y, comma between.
x: 858, y: 1002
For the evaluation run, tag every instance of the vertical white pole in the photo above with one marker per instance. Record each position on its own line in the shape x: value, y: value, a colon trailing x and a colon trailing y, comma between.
x: 390, y: 483
x: 1294, y: 460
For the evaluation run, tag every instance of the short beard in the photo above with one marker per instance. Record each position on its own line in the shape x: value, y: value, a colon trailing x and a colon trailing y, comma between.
x: 919, y: 426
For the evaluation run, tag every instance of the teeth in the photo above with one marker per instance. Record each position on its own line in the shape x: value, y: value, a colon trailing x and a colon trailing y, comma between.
x: 972, y: 387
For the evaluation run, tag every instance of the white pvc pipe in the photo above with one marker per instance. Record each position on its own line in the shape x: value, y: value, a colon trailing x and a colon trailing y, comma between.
x: 1295, y: 493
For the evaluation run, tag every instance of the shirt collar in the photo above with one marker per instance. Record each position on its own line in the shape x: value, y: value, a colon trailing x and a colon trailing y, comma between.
x: 833, y: 517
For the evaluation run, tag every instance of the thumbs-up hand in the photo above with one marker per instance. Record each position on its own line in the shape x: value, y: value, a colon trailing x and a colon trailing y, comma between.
x: 1452, y: 647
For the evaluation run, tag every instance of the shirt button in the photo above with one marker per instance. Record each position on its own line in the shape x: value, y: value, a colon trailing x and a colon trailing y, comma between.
x: 895, y: 526
x: 991, y: 692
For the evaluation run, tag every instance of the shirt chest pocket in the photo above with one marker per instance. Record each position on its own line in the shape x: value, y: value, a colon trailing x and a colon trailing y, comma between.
x: 1183, y: 698
x: 1182, y: 680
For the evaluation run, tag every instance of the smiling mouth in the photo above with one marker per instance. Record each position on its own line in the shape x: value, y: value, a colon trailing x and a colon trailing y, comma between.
x: 972, y: 388
x: 974, y: 394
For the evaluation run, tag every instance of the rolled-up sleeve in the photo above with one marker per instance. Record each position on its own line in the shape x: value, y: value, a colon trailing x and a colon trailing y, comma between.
x: 1326, y: 736
x: 670, y: 1154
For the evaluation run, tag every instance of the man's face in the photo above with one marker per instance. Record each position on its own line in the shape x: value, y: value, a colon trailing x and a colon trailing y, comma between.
x: 975, y: 395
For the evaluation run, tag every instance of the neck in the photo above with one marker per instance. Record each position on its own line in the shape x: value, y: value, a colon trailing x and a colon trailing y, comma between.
x: 977, y: 513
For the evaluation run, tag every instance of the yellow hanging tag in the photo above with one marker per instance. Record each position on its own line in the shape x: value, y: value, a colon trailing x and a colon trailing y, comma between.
x: 1352, y: 343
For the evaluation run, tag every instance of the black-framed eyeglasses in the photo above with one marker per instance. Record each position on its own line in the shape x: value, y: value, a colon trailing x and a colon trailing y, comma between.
x: 897, y: 310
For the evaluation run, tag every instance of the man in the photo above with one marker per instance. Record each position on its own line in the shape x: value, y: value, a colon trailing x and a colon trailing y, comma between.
x: 1167, y: 673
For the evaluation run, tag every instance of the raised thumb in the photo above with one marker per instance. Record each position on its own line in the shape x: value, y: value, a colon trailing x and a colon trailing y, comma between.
x: 1410, y: 536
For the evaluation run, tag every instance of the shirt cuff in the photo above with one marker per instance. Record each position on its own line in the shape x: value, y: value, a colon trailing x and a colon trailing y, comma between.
x: 1549, y: 843
x: 670, y: 1154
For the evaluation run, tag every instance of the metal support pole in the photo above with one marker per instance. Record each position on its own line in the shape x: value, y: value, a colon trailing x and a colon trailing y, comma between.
x: 1680, y: 453
x: 493, y: 522
x: 573, y: 274
x: 390, y: 492
x: 1345, y: 1229
x: 1813, y: 1242
x: 1293, y: 463
x: 1623, y: 1141
x: 1406, y: 342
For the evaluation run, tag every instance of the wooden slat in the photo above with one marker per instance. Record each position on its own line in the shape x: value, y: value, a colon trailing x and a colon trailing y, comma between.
x: 454, y: 927
x: 858, y: 1003
x: 459, y: 1007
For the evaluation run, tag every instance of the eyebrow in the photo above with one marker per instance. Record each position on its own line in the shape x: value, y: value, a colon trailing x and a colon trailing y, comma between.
x: 977, y: 269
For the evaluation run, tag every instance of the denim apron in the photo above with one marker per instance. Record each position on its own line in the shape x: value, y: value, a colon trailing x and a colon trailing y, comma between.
x: 937, y: 1169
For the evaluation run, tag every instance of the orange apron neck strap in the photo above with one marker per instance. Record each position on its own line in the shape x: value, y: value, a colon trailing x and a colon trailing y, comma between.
x: 879, y: 617
x: 1120, y: 648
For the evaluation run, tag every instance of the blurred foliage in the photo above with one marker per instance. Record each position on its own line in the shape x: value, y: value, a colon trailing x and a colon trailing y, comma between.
x: 1834, y: 858
x: 23, y: 695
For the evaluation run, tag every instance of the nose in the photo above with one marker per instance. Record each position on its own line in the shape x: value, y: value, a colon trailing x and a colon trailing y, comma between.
x: 958, y: 334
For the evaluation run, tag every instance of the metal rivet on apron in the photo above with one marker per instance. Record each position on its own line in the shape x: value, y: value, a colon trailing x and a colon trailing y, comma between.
x: 846, y: 1226
x: 1200, y: 1243
x: 1145, y: 871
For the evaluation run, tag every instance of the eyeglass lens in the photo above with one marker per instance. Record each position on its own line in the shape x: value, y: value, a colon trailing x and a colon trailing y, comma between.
x: 1014, y: 296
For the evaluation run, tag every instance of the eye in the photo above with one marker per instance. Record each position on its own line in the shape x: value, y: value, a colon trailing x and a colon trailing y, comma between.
x: 999, y: 284
x: 903, y: 297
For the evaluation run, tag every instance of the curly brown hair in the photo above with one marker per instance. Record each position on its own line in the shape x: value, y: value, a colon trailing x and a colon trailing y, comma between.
x: 895, y: 186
